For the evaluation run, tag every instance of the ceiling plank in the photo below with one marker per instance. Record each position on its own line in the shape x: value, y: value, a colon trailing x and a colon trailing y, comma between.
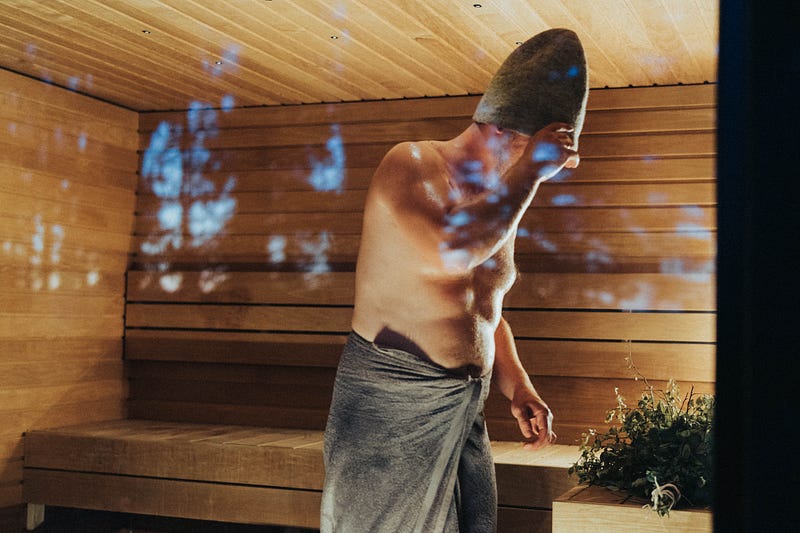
x: 161, y: 55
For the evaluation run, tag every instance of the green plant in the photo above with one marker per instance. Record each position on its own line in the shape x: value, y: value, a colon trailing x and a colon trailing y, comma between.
x: 660, y: 450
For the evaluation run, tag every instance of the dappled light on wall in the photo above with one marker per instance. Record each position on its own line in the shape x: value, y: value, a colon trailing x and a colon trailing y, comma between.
x: 328, y: 174
x: 192, y: 210
x: 45, y: 216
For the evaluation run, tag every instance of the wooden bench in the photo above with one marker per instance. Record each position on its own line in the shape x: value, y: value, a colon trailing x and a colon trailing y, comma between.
x: 614, y: 261
x: 228, y: 394
x: 240, y: 474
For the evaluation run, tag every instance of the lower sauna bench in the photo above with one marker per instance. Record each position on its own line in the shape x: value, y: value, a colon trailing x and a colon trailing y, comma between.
x: 241, y: 474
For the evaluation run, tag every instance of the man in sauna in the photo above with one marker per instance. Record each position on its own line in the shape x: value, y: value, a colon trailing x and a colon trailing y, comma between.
x: 406, y: 447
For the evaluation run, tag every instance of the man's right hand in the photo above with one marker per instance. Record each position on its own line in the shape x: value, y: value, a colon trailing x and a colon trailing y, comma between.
x: 552, y: 148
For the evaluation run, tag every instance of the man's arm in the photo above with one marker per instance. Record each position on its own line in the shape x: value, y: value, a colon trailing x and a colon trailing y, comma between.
x: 477, y: 226
x: 457, y: 231
x: 533, y: 415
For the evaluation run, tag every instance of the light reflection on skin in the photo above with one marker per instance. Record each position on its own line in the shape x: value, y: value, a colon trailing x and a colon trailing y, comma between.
x: 471, y: 180
x: 489, y: 264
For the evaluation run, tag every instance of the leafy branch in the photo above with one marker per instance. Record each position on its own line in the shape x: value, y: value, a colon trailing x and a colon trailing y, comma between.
x: 661, y: 450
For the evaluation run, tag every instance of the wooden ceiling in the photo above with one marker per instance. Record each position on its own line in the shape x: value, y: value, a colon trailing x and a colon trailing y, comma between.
x: 166, y: 54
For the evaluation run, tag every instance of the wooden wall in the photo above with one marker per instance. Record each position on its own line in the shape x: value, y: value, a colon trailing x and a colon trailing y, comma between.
x: 67, y: 180
x: 616, y: 260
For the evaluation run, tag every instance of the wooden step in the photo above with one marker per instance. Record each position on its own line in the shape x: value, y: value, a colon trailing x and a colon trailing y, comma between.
x: 242, y: 474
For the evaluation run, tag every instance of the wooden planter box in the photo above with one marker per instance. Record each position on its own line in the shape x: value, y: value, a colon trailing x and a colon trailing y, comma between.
x: 598, y: 509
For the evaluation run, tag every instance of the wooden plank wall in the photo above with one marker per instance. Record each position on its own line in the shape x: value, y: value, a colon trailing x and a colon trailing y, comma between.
x: 616, y: 259
x: 67, y: 190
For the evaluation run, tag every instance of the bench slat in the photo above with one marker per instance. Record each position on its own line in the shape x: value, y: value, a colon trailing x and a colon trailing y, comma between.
x: 199, y: 412
x: 266, y: 318
x: 234, y: 347
x: 683, y: 327
x: 617, y: 121
x: 592, y: 249
x: 241, y: 474
x: 181, y: 499
x: 577, y: 358
x: 565, y: 290
x: 546, y: 215
x: 681, y: 170
x: 148, y: 450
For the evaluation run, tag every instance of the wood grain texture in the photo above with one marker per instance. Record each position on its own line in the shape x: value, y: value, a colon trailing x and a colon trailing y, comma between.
x: 536, y: 290
x: 514, y: 520
x: 180, y: 452
x: 158, y: 463
x: 263, y: 53
x: 12, y: 519
x: 616, y: 259
x: 67, y: 186
x: 578, y: 403
x: 597, y: 509
x: 161, y: 497
x: 247, y: 339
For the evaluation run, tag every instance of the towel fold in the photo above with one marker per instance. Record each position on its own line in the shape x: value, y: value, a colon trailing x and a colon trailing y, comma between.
x: 406, y: 448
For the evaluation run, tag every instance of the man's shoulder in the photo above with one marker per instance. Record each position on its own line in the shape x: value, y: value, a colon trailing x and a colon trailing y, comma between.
x: 413, y: 158
x: 410, y: 173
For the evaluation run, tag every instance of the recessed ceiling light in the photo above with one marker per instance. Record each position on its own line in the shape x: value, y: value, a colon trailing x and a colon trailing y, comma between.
x: 146, y: 32
x: 217, y: 62
x: 334, y: 37
x: 477, y: 5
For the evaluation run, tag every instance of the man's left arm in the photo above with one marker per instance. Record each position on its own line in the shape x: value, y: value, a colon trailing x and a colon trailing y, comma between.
x: 533, y: 415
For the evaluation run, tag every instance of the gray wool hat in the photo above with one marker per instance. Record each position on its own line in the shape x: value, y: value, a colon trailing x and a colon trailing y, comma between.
x: 543, y: 80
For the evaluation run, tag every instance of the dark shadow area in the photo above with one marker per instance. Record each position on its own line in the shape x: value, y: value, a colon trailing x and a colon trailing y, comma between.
x: 64, y: 520
x: 758, y: 267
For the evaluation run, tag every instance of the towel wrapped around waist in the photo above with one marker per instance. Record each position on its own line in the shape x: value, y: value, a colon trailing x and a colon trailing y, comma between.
x: 406, y: 448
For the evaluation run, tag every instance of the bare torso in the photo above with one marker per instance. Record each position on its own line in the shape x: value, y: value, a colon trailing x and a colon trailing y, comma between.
x: 403, y: 300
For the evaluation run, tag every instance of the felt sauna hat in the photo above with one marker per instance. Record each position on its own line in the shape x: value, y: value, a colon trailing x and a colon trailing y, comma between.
x: 543, y: 80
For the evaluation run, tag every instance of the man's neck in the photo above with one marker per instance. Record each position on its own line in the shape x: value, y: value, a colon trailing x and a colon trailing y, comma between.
x: 472, y: 147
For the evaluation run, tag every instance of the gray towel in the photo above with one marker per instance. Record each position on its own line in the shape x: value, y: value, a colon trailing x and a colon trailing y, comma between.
x: 406, y: 448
